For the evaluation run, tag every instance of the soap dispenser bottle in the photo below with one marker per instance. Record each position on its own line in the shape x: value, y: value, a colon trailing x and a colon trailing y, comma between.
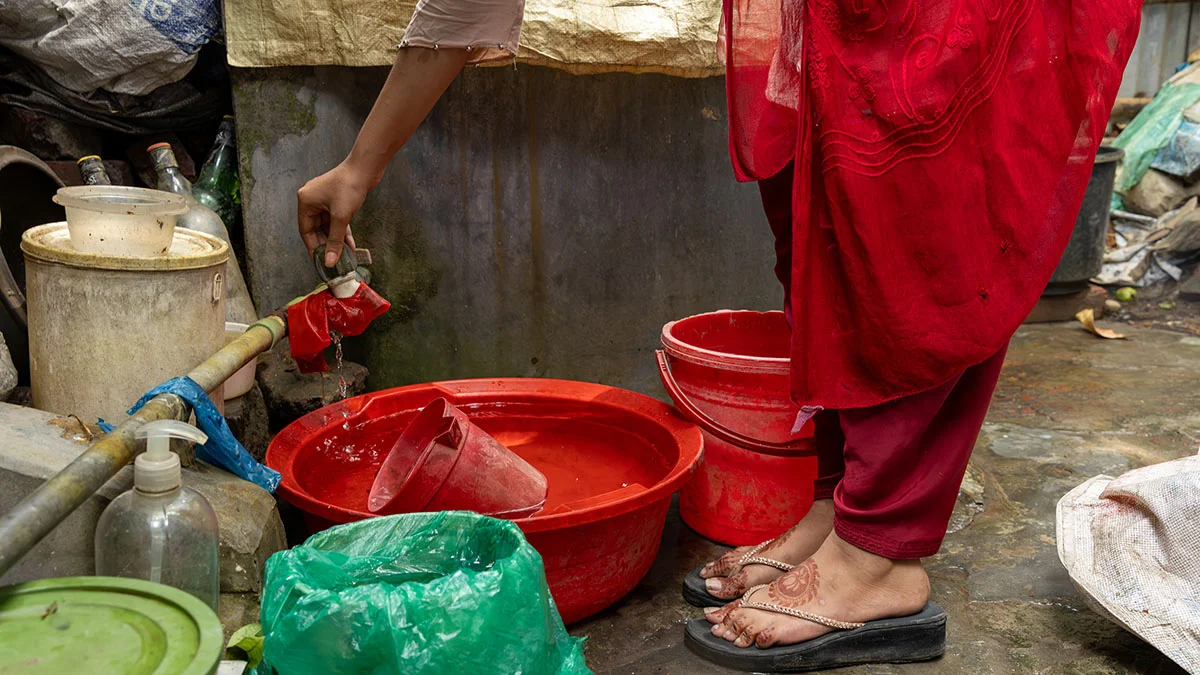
x: 160, y: 530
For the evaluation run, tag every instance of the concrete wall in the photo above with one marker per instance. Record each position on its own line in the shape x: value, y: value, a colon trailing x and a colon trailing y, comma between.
x: 538, y: 224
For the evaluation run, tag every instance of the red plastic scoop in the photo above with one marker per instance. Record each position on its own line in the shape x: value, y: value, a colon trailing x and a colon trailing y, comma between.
x: 443, y: 462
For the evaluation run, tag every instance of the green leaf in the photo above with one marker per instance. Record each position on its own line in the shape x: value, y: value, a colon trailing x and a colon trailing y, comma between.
x: 249, y: 640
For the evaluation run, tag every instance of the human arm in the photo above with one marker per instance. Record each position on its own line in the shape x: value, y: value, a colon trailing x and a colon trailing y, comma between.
x: 327, y: 203
x: 442, y: 37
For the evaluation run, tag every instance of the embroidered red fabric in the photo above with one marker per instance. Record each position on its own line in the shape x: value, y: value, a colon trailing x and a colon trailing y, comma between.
x: 941, y: 147
x: 310, y: 320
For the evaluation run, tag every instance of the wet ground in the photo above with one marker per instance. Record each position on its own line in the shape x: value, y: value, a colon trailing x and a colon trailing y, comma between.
x: 1163, y: 306
x: 1069, y: 406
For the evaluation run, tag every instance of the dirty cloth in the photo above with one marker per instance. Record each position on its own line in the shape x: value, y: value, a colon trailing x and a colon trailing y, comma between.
x: 311, y: 319
x: 488, y: 29
x: 931, y: 200
x: 893, y: 470
x: 187, y: 105
x: 1132, y: 549
x: 222, y: 449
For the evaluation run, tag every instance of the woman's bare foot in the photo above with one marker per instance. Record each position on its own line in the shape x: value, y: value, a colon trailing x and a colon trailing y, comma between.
x: 840, y: 582
x: 724, y: 579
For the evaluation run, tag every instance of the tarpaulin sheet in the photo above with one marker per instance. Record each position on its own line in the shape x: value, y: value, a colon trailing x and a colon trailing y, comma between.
x: 674, y: 37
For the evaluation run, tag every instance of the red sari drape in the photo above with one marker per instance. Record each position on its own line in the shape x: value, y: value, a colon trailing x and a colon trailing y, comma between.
x: 941, y: 148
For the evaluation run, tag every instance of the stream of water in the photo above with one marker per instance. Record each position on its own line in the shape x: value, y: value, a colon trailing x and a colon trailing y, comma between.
x: 342, y: 386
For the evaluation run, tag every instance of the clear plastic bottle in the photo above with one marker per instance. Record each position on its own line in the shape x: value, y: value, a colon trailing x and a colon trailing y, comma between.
x: 238, y: 306
x: 160, y: 530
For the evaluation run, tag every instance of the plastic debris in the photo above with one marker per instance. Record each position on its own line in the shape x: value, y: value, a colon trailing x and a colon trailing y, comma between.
x: 414, y: 594
x: 1180, y: 157
x: 222, y: 448
x: 1153, y: 129
x: 1149, y: 132
x: 1150, y: 251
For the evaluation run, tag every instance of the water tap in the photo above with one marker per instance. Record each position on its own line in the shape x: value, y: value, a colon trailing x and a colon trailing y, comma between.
x: 345, y: 276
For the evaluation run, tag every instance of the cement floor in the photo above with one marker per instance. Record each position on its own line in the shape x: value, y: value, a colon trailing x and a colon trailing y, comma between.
x: 1069, y: 406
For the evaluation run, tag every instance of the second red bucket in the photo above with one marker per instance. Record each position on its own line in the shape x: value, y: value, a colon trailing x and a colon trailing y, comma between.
x: 443, y: 462
x: 728, y: 371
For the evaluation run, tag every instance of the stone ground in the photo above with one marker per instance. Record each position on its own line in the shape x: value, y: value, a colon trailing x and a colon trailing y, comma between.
x: 1069, y: 406
x: 1170, y: 305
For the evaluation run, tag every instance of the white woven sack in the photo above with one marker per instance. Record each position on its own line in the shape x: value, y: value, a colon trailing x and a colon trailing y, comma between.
x: 1132, y: 548
x: 124, y: 46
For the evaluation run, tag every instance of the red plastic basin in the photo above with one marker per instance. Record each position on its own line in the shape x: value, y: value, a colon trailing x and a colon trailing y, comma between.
x: 612, y: 458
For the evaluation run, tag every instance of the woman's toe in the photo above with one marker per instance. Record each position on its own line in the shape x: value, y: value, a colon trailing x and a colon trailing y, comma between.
x: 723, y: 565
x: 766, y: 638
x: 730, y: 629
x: 744, y: 639
x: 729, y: 587
x: 718, y: 614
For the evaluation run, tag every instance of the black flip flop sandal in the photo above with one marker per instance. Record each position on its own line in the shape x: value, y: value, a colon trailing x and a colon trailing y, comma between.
x: 907, y: 639
x: 697, y: 595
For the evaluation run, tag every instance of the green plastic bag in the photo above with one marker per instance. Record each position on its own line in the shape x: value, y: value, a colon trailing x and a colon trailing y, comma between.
x: 414, y: 594
x: 1149, y: 131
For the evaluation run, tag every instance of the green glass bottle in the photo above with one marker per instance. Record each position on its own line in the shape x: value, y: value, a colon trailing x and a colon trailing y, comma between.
x: 218, y: 186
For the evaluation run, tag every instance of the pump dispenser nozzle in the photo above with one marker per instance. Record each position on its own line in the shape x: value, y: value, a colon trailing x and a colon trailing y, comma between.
x: 157, y: 469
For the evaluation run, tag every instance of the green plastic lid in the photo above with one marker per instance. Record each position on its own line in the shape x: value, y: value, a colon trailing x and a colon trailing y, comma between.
x: 106, y: 625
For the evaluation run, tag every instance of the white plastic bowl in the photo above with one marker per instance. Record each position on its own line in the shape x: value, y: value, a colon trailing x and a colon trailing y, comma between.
x: 240, y: 382
x: 120, y: 220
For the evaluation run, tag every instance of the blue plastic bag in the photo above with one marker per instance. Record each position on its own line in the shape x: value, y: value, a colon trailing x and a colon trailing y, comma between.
x: 222, y: 448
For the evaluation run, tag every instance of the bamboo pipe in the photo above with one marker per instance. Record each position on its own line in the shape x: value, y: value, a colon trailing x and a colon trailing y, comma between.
x: 50, y: 504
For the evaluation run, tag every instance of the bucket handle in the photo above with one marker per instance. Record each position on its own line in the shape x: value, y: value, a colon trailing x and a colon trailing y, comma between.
x: 693, y: 414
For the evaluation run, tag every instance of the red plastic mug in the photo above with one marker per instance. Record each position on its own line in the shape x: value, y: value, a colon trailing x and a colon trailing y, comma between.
x: 443, y: 462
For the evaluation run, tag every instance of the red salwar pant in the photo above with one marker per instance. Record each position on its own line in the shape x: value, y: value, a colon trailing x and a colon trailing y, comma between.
x: 893, y: 470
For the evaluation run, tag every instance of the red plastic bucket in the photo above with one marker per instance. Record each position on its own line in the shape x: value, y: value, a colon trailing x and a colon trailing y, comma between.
x: 443, y: 462
x: 612, y: 459
x: 728, y: 372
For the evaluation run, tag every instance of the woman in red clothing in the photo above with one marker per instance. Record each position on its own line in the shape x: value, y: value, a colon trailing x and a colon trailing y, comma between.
x: 921, y: 163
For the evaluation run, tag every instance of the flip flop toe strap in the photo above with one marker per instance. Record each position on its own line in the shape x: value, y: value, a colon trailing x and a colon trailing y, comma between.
x: 747, y: 603
x: 752, y: 557
x: 759, y: 560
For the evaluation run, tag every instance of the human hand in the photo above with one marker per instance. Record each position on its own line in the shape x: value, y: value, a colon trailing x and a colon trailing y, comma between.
x: 326, y: 205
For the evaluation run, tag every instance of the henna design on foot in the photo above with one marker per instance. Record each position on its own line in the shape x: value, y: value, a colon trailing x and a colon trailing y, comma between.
x: 796, y: 587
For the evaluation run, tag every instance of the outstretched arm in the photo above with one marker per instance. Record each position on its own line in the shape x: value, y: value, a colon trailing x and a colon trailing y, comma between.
x: 327, y: 203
